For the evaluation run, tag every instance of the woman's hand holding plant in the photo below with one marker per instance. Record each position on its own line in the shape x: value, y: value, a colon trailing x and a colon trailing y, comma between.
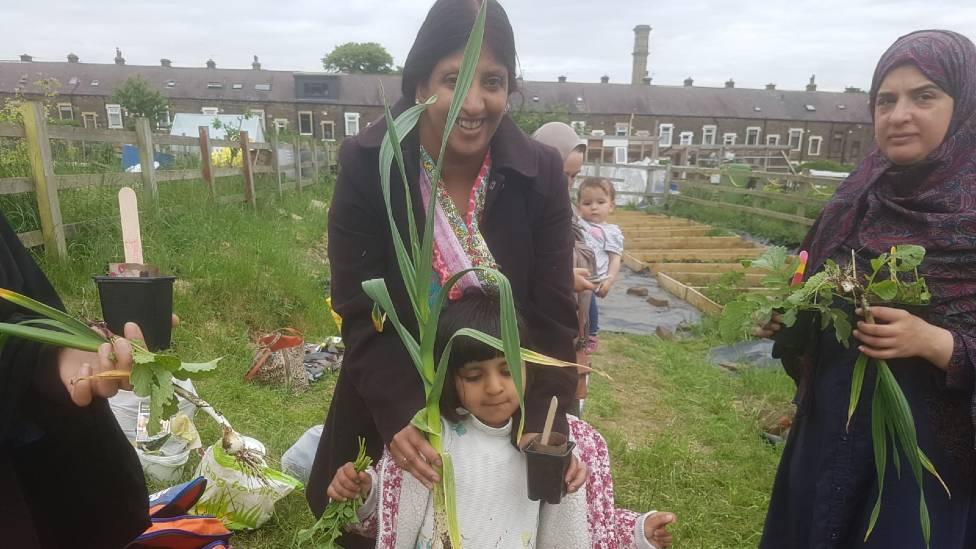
x: 74, y: 367
x: 897, y: 333
x: 769, y: 329
x: 414, y: 454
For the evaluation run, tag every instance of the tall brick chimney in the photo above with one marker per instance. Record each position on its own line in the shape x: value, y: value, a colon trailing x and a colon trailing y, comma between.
x: 730, y: 83
x: 119, y: 60
x: 642, y: 39
x: 689, y: 82
x: 604, y: 79
x: 211, y: 64
x: 26, y: 58
x: 165, y: 63
x: 562, y: 79
x: 256, y: 65
x: 812, y: 86
x: 72, y: 58
x: 770, y: 86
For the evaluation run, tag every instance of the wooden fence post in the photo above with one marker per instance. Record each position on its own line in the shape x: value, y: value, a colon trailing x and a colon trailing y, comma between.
x: 315, y: 161
x: 275, y: 160
x: 206, y: 169
x: 146, y: 158
x: 45, y: 185
x: 246, y: 171
x: 297, y: 147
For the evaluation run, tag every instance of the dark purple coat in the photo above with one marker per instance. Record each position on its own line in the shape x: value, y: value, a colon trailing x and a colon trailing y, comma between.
x: 527, y: 226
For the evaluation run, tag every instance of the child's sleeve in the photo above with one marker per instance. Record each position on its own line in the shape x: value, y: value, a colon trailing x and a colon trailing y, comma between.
x: 367, y: 525
x: 630, y: 529
x: 615, y: 239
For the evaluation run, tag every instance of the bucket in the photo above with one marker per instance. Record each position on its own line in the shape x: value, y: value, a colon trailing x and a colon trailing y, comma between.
x: 164, y: 468
x: 147, y: 301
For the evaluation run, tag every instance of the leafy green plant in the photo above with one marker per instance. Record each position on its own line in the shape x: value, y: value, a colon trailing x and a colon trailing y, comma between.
x: 891, y: 415
x: 324, y: 533
x: 152, y: 374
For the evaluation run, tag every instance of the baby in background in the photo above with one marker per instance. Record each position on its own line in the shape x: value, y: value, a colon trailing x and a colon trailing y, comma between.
x: 595, y: 203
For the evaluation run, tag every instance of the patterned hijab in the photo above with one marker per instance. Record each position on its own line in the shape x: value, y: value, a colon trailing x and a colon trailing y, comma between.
x: 932, y: 203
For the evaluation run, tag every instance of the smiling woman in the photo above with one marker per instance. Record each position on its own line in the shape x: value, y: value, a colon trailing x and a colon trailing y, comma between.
x: 500, y: 202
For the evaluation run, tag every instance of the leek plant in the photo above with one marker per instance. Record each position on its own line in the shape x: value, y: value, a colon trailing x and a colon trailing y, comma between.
x: 891, y: 416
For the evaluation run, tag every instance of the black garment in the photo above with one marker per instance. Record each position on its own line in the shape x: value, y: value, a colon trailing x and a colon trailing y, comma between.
x: 68, y: 476
x: 826, y: 485
x: 528, y: 228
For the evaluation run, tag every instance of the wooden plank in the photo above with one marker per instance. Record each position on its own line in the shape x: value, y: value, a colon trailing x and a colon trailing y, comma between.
x: 707, y: 187
x: 633, y: 233
x: 686, y: 242
x: 193, y: 141
x: 826, y: 181
x: 315, y: 161
x: 11, y: 129
x: 176, y: 175
x: 146, y: 161
x: 262, y: 169
x: 707, y: 279
x: 275, y: 161
x: 691, y: 295
x: 226, y: 172
x: 16, y: 185
x: 31, y: 239
x: 298, y: 163
x: 748, y: 209
x: 246, y: 171
x: 657, y: 256
x: 633, y: 263
x: 206, y: 160
x: 46, y: 186
x: 119, y: 137
x: 115, y: 179
x: 696, y: 267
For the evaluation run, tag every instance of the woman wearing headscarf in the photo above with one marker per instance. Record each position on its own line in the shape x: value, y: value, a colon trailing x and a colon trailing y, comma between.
x: 917, y: 187
x: 501, y: 201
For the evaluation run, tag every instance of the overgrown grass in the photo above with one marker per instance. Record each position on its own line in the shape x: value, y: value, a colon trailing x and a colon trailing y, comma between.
x: 684, y: 435
x: 774, y: 231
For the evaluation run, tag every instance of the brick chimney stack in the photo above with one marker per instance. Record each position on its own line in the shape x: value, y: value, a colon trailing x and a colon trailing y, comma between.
x: 119, y: 60
x: 730, y: 83
x: 604, y: 79
x: 256, y: 65
x: 642, y: 39
x: 24, y: 58
x: 770, y: 87
x: 689, y: 82
x: 562, y: 79
x: 211, y: 64
x: 72, y: 58
x: 812, y: 86
x: 165, y: 63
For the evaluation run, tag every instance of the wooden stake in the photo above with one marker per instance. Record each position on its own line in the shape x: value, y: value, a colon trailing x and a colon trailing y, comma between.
x: 206, y: 170
x: 129, y: 216
x: 550, y: 418
x: 45, y: 185
x: 246, y: 171
x: 146, y: 160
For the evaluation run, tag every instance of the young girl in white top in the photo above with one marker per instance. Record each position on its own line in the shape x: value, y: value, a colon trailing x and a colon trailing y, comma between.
x: 477, y: 406
x: 595, y: 203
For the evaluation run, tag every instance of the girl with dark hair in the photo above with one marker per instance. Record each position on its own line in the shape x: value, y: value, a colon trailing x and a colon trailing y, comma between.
x: 917, y: 187
x: 501, y: 201
x: 494, y: 510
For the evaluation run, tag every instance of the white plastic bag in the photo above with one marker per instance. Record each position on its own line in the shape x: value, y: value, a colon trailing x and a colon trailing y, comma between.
x: 125, y: 406
x: 241, y: 501
x: 297, y: 460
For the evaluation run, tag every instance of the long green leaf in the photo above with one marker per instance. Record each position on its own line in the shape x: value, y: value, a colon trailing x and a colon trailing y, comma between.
x: 879, y: 439
x: 428, y: 335
x: 857, y: 381
x: 898, y: 409
x: 50, y: 337
x: 450, y: 500
x: 377, y: 291
x: 392, y: 145
x: 71, y: 324
x: 923, y: 517
x: 927, y: 464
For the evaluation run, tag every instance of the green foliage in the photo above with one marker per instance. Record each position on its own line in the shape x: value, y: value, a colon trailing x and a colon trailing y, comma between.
x: 326, y: 531
x: 727, y: 288
x: 140, y: 99
x: 531, y: 120
x: 359, y: 57
x: 827, y: 166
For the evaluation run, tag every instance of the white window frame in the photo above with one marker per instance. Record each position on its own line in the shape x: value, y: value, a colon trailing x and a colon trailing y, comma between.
x: 94, y: 119
x: 114, y: 110
x: 758, y: 132
x: 621, y: 129
x: 810, y: 142
x: 210, y: 111
x: 772, y: 140
x: 709, y: 133
x: 164, y: 119
x: 598, y: 133
x: 660, y: 135
x: 798, y: 132
x: 311, y: 123
x: 331, y: 124
x: 686, y: 138
x: 352, y: 123
x: 729, y: 142
x: 620, y: 155
x: 70, y: 110
x: 579, y: 126
x: 259, y: 114
x: 280, y: 124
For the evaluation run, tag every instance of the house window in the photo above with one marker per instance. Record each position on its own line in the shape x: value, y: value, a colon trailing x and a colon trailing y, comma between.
x: 305, y: 122
x: 65, y: 112
x: 315, y: 89
x: 686, y: 138
x: 796, y: 139
x: 728, y: 139
x: 621, y: 129
x: 772, y: 140
x: 328, y: 130
x: 752, y: 135
x: 114, y: 116
x: 708, y: 134
x: 598, y: 133
x: 237, y: 86
x: 665, y: 133
x: 352, y: 123
x: 259, y: 114
x: 813, y: 145
x: 281, y: 124
x: 262, y: 87
x: 620, y: 155
x: 164, y: 119
x: 214, y: 85
x: 579, y: 126
x: 89, y: 119
x: 210, y: 111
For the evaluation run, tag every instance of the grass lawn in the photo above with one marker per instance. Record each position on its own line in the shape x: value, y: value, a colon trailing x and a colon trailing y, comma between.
x: 684, y: 435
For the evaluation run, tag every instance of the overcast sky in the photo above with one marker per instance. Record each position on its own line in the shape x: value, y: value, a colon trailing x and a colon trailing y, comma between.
x: 751, y: 41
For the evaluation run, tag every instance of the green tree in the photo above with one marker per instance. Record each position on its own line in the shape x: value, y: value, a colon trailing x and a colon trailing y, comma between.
x: 138, y: 97
x: 359, y: 57
x: 530, y: 121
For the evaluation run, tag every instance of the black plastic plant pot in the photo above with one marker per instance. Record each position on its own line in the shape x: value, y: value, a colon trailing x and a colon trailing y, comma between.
x: 147, y: 301
x: 546, y: 468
